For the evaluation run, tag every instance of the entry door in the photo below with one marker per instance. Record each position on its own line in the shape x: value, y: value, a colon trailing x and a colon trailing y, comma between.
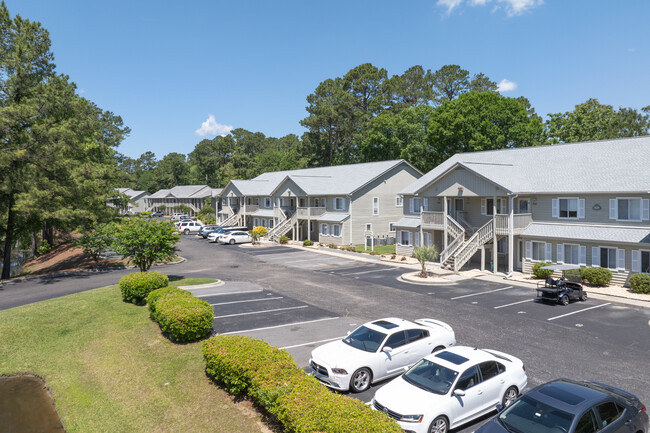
x: 459, y: 206
x: 520, y: 253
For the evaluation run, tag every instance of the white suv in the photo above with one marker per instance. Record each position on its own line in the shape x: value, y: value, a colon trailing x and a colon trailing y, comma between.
x: 187, y: 227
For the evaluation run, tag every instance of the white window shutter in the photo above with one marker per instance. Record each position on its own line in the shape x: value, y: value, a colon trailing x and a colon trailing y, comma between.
x: 583, y: 255
x: 425, y: 204
x: 529, y: 250
x: 410, y: 238
x: 560, y: 253
x: 620, y: 258
x: 411, y: 200
x: 636, y: 260
x: 613, y: 208
x: 581, y: 208
x: 399, y: 237
x: 645, y: 209
x: 549, y: 252
x: 483, y: 206
x: 555, y: 208
x: 595, y: 256
x: 417, y: 239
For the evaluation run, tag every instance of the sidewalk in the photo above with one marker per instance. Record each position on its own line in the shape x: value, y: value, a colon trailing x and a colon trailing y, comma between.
x: 621, y: 295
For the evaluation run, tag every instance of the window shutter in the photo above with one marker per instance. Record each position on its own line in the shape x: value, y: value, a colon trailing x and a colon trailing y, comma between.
x: 529, y: 250
x: 560, y: 253
x: 613, y: 205
x: 581, y: 208
x: 410, y: 238
x: 503, y: 206
x: 416, y: 239
x: 399, y: 237
x: 636, y: 260
x: 483, y: 206
x: 595, y: 256
x: 425, y: 204
x: 555, y: 208
x: 645, y: 209
x: 620, y: 258
x: 411, y: 200
x: 583, y: 255
x: 549, y: 252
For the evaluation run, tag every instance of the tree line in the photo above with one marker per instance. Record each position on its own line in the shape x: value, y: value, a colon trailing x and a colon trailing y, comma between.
x: 422, y: 116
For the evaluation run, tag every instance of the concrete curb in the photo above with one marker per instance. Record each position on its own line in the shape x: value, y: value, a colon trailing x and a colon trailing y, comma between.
x: 410, y: 278
x: 352, y: 256
x: 203, y: 286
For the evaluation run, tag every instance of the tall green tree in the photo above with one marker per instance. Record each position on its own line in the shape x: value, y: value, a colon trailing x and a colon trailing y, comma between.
x: 451, y: 81
x: 411, y: 89
x: 172, y: 170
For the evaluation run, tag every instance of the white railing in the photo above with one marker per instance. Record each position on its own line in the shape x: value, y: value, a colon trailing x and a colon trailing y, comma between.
x: 432, y: 218
x: 250, y: 208
x: 468, y: 249
x: 454, y: 228
x: 460, y: 217
x: 282, y: 228
x: 520, y: 222
x: 458, y: 236
x: 232, y: 219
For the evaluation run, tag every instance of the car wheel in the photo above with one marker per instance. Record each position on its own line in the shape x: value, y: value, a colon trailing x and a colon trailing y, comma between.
x: 186, y: 231
x: 360, y: 380
x: 509, y: 396
x: 439, y: 425
x: 438, y: 349
x: 232, y: 242
x: 564, y: 300
x: 583, y: 298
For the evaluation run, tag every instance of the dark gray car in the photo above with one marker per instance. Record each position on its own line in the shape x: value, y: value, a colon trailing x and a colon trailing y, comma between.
x: 567, y: 406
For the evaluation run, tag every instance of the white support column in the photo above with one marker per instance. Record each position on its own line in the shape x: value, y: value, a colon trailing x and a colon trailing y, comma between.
x: 421, y: 230
x: 350, y: 217
x: 511, y: 235
x: 482, y: 258
x: 445, y: 209
x: 494, y: 235
x: 308, y: 219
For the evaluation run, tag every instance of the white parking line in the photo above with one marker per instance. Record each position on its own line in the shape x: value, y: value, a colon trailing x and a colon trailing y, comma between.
x: 312, y: 342
x: 260, y: 312
x: 228, y: 293
x: 279, y: 326
x: 367, y: 272
x: 248, y: 300
x: 579, y: 311
x: 514, y: 303
x: 482, y: 293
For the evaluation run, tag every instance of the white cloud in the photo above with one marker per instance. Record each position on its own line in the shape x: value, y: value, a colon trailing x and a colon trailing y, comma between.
x: 506, y: 86
x: 512, y: 7
x: 449, y: 4
x: 211, y: 127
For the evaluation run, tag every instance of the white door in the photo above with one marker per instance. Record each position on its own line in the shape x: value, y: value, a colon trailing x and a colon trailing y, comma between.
x: 492, y: 384
x: 421, y: 344
x: 464, y: 408
x: 398, y: 357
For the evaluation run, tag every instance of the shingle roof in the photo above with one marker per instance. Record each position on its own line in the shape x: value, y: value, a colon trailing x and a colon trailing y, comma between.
x: 335, y: 217
x: 595, y: 233
x: 620, y: 165
x: 184, y: 191
x: 130, y: 192
x: 413, y: 223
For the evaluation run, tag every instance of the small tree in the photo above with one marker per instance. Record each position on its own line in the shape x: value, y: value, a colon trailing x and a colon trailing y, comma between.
x: 146, y: 241
x: 428, y: 253
x: 257, y: 233
x: 95, y: 242
x: 182, y: 209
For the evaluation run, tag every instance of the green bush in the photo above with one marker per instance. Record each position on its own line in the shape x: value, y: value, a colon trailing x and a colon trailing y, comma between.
x: 542, y: 273
x: 640, y: 283
x: 155, y: 295
x: 597, y: 276
x: 183, y: 317
x: 44, y: 248
x: 284, y: 240
x: 136, y: 286
x: 243, y: 365
x: 333, y: 246
x: 307, y: 243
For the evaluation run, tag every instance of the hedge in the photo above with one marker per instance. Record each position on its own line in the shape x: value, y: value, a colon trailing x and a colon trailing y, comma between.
x: 155, y: 295
x: 307, y: 243
x: 597, y: 276
x: 284, y: 240
x: 182, y: 317
x: 640, y: 283
x: 136, y: 286
x: 246, y: 366
x: 542, y: 273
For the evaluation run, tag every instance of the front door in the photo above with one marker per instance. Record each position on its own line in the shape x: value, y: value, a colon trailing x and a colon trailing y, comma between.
x: 459, y: 206
x: 519, y: 255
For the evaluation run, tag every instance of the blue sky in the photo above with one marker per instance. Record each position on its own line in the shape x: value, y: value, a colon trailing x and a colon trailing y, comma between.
x: 165, y: 67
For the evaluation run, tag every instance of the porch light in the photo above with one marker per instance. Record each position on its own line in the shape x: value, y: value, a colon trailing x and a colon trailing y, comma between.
x: 460, y: 189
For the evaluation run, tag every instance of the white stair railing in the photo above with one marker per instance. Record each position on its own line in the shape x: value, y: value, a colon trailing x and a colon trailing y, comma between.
x: 469, y: 247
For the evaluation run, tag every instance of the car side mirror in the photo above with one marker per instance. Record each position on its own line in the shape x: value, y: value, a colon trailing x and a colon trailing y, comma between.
x: 459, y: 393
x: 499, y: 407
x: 387, y: 349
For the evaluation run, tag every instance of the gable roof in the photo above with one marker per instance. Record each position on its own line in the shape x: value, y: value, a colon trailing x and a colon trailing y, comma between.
x: 133, y: 194
x: 184, y: 191
x: 619, y: 165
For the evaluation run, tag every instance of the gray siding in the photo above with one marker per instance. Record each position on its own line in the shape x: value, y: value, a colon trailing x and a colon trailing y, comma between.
x: 471, y: 184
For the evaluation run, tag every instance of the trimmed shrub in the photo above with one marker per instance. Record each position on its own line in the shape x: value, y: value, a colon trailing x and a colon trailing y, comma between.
x: 640, y: 283
x: 284, y: 240
x: 350, y: 248
x: 333, y: 246
x: 182, y: 317
x: 307, y: 243
x: 155, y: 295
x: 542, y: 273
x: 136, y: 286
x: 597, y: 276
x: 243, y: 365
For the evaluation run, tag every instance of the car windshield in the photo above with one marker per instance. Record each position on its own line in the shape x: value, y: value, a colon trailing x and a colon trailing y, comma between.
x: 431, y: 377
x: 528, y: 415
x: 365, y: 339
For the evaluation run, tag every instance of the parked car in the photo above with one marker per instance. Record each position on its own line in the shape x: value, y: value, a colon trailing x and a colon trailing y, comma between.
x: 157, y: 214
x: 214, y: 235
x: 206, y: 229
x: 187, y: 227
x: 235, y: 237
x: 564, y: 290
x: 568, y: 406
x: 378, y: 350
x: 450, y: 388
x: 179, y: 217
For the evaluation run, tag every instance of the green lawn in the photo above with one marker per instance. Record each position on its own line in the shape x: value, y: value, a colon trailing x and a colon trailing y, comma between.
x: 379, y: 249
x: 192, y: 281
x: 110, y: 370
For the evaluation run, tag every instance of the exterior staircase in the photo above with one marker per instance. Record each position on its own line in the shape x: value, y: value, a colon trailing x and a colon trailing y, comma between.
x: 282, y: 228
x: 463, y: 250
x: 232, y: 219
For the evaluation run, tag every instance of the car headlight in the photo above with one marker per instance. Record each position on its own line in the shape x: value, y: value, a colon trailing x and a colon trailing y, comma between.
x: 411, y: 418
x: 339, y: 371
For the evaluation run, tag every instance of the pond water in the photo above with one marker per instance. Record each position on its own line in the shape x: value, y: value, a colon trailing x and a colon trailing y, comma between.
x: 17, y: 259
x: 26, y: 406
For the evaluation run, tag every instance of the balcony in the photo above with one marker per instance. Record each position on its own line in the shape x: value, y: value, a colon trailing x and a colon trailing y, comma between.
x: 309, y: 212
x: 433, y: 220
x: 520, y: 222
x: 250, y: 208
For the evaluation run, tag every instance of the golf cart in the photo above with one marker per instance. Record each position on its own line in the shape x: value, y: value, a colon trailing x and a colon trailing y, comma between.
x: 564, y: 290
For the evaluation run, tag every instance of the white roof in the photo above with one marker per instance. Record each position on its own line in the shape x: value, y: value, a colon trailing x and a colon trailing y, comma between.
x: 413, y: 223
x: 185, y: 191
x: 131, y: 192
x: 335, y: 217
x: 605, y: 166
x: 268, y: 213
x: 591, y: 233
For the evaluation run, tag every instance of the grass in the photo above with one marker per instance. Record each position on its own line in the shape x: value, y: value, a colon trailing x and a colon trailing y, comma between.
x: 190, y: 281
x: 379, y: 249
x: 109, y: 369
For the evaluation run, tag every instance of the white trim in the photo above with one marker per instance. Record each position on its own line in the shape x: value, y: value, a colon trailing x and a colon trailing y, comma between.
x: 628, y: 209
x: 375, y: 206
x: 399, y: 201
x: 342, y: 201
x: 368, y: 227
x: 577, y: 199
x: 340, y: 230
x: 389, y: 227
x: 324, y: 229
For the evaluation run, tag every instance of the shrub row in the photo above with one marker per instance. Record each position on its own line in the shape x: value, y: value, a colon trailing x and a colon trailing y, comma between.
x: 640, y: 283
x: 182, y: 316
x: 245, y: 366
x: 284, y: 240
x: 136, y: 286
x: 542, y: 273
x: 597, y: 276
x: 307, y: 243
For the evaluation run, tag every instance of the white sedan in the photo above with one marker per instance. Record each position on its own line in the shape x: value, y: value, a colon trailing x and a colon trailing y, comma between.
x: 236, y: 237
x: 378, y: 350
x: 450, y: 388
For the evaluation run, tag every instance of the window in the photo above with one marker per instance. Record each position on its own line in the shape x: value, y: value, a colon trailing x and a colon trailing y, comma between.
x: 568, y: 208
x: 628, y: 209
x: 339, y: 203
x: 645, y: 261
x: 325, y: 229
x: 487, y: 206
x: 416, y: 203
x: 571, y: 254
x: 375, y: 206
x: 428, y: 239
x: 391, y: 227
x: 609, y: 412
x: 368, y: 227
x: 587, y: 423
x: 404, y: 238
x: 283, y: 201
x: 396, y: 340
x: 301, y: 202
x: 416, y: 334
x: 336, y: 230
x: 536, y: 251
x: 399, y: 201
x: 607, y: 257
x: 489, y: 370
x: 468, y: 379
x: 641, y: 261
x: 256, y: 222
x: 524, y: 205
x: 267, y: 202
x: 316, y: 203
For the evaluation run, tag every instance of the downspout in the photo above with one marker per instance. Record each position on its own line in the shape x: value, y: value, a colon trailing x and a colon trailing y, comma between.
x: 511, y: 235
x: 350, y: 213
